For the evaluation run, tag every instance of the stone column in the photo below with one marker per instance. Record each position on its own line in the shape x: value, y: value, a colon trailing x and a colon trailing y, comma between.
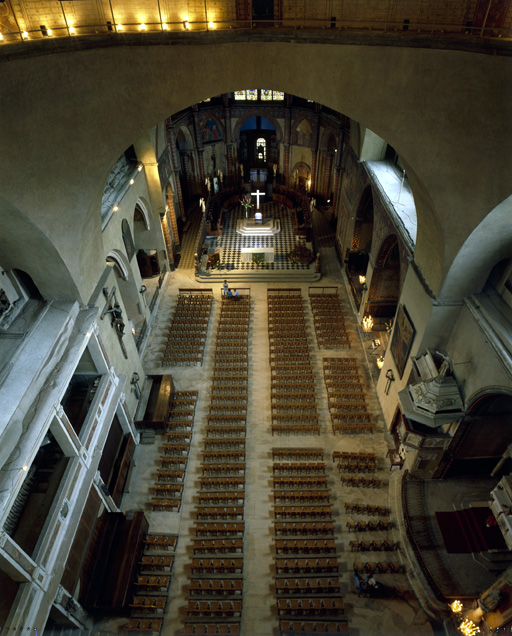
x: 171, y: 137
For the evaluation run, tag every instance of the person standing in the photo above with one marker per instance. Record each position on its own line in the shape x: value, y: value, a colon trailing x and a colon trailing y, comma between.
x: 226, y: 287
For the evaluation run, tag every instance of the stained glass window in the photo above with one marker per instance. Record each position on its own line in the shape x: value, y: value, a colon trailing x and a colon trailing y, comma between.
x: 266, y: 95
x: 278, y: 95
x: 239, y: 94
x: 261, y: 149
x: 252, y: 94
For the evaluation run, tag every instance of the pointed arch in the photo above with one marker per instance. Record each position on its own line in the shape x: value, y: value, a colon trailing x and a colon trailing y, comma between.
x: 384, y: 291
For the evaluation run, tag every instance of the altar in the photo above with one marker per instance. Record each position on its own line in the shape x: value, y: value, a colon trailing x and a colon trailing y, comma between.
x: 248, y: 252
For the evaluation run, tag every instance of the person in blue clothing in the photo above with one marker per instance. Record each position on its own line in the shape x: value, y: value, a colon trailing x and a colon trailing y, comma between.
x: 362, y: 586
x: 229, y: 293
x: 236, y: 295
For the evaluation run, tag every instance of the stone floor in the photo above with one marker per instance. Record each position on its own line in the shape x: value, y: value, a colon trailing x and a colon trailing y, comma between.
x: 365, y: 616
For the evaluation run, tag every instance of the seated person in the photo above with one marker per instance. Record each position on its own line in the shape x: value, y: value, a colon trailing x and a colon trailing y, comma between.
x: 229, y: 293
x: 362, y: 586
x: 372, y: 585
x: 236, y: 295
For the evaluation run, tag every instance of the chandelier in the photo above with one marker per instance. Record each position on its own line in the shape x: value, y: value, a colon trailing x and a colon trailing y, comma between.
x: 367, y: 324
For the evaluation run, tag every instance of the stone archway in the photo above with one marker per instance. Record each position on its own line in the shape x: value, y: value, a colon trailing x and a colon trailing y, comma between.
x: 450, y: 81
x: 127, y: 286
x: 301, y: 176
x: 360, y: 246
x: 384, y: 288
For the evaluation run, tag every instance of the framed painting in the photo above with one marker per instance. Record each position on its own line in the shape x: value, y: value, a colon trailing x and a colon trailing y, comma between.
x: 403, y: 336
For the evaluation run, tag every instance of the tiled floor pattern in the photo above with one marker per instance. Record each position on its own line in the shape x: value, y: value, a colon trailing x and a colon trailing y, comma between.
x: 230, y: 242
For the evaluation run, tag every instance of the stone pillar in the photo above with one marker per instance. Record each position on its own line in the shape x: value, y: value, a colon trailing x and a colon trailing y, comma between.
x: 286, y: 145
x: 202, y: 175
x: 171, y: 137
x: 336, y: 188
x: 328, y: 160
x: 170, y: 222
x: 231, y: 178
x: 286, y: 165
x: 145, y: 151
x: 312, y: 189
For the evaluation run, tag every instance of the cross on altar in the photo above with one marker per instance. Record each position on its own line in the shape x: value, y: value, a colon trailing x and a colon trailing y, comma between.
x: 257, y: 194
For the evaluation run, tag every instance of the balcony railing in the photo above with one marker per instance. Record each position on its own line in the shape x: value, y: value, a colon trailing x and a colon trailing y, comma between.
x: 96, y: 17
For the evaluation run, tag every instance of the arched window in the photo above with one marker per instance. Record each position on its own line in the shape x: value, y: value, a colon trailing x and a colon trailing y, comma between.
x: 261, y: 149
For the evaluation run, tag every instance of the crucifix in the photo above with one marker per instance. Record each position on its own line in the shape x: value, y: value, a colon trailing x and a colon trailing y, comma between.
x: 257, y: 194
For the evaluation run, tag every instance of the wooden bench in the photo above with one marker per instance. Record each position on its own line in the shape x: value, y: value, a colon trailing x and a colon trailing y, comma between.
x: 293, y: 528
x: 143, y: 625
x: 301, y: 496
x: 161, y: 541
x: 307, y: 566
x: 157, y: 562
x: 304, y: 481
x: 307, y: 585
x: 319, y: 628
x: 207, y: 629
x: 216, y: 587
x: 148, y: 604
x: 297, y: 454
x: 214, y: 608
x: 305, y: 546
x: 310, y: 606
x: 229, y: 498
x: 147, y: 582
x: 219, y: 512
x: 302, y: 512
x: 220, y: 546
x: 217, y: 566
x: 163, y: 503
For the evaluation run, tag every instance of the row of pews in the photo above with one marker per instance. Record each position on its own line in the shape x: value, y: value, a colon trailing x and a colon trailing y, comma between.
x: 292, y: 390
x: 346, y: 396
x: 306, y: 583
x: 152, y: 583
x: 175, y: 448
x: 328, y: 318
x: 186, y: 335
x: 215, y: 588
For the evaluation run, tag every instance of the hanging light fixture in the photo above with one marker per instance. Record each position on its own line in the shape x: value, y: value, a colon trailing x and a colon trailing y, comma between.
x: 468, y: 628
x: 367, y: 324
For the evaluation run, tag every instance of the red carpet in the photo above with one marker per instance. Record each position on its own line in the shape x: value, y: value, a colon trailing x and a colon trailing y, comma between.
x: 464, y: 531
